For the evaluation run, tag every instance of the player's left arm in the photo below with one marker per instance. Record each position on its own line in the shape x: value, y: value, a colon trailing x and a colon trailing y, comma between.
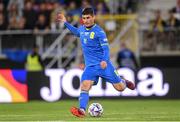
x: 105, y: 46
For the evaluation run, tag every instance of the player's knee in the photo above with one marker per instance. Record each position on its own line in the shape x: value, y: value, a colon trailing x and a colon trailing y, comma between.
x: 120, y: 87
x: 86, y: 85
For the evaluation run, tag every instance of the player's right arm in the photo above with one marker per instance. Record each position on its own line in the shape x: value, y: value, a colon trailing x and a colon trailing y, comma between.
x: 62, y: 18
x: 105, y: 46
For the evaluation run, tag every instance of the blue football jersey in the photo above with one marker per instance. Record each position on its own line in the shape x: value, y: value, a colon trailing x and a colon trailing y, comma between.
x: 94, y: 43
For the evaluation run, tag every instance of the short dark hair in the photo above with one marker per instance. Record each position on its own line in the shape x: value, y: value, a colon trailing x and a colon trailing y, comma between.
x: 87, y: 11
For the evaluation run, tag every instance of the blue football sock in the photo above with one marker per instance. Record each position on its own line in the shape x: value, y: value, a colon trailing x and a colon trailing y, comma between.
x: 83, y: 100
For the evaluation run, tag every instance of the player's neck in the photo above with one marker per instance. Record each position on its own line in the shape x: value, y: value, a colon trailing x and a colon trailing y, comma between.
x: 89, y: 27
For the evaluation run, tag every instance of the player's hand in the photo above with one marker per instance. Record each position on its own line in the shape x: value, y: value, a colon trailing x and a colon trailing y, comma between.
x: 60, y: 18
x: 103, y: 64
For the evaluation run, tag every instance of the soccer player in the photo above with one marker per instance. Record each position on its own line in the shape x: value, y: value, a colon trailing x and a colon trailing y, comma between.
x: 95, y: 49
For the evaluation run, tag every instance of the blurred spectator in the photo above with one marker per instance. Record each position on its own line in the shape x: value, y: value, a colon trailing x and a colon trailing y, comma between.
x: 131, y: 6
x: 19, y: 4
x: 41, y: 23
x: 101, y: 8
x: 30, y: 15
x: 158, y: 24
x: 73, y: 11
x: 177, y: 8
x: 126, y: 58
x: 45, y: 11
x: 31, y: 9
x: 56, y: 9
x: 3, y: 23
x: 113, y: 5
x: 128, y: 6
x: 122, y: 6
x: 2, y: 9
x: 85, y: 4
x: 172, y: 22
x: 13, y: 12
x: 33, y: 61
x: 5, y: 3
x: 13, y: 23
x: 21, y: 23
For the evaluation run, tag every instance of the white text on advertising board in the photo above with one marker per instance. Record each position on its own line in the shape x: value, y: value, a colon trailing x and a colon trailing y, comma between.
x: 63, y: 80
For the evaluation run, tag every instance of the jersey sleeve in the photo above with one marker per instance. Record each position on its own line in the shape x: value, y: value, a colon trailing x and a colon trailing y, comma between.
x: 73, y: 29
x: 105, y: 45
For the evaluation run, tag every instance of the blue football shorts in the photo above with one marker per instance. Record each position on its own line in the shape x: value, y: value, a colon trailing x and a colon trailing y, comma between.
x: 109, y: 74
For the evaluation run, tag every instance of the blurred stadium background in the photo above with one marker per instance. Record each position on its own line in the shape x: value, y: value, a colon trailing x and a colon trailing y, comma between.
x: 147, y: 29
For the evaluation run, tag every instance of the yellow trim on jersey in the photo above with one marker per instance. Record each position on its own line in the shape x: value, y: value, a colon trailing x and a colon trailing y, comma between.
x: 116, y: 72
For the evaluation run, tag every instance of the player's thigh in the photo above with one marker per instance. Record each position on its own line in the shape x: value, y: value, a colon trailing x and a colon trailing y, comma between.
x: 90, y: 74
x: 110, y: 74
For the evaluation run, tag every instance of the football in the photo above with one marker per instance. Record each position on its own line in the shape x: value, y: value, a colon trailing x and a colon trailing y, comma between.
x: 95, y: 110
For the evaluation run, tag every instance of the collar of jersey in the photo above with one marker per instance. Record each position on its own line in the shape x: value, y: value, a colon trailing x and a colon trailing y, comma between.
x: 91, y: 27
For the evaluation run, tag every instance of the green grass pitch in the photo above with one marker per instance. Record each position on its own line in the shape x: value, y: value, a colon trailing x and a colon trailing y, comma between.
x: 114, y: 110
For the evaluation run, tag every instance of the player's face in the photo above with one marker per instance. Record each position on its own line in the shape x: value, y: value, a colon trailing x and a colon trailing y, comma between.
x: 88, y: 20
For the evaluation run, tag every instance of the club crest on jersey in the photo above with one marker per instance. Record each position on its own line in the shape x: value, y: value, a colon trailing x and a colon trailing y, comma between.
x: 92, y: 35
x: 86, y: 33
x: 85, y: 41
